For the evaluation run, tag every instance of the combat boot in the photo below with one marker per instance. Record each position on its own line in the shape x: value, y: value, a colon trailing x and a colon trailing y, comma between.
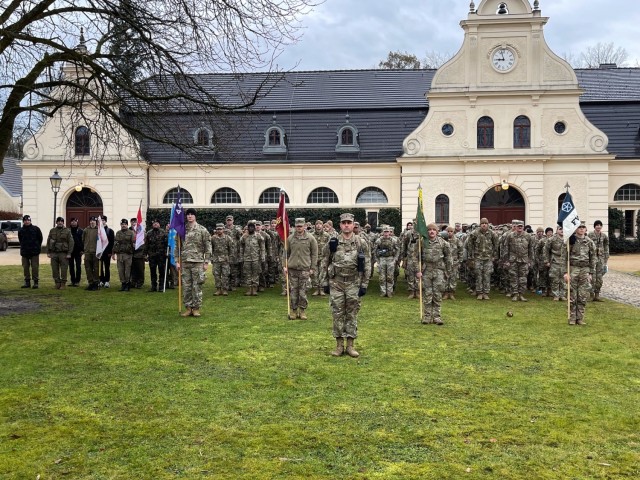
x: 123, y: 288
x: 580, y: 322
x: 339, y: 347
x: 187, y: 312
x: 479, y: 297
x: 316, y: 292
x: 195, y: 312
x: 153, y: 288
x: 522, y: 299
x: 57, y: 287
x: 225, y: 293
x: 596, y: 298
x: 556, y: 299
x: 350, y: 350
x: 62, y: 286
x: 445, y: 296
x: 248, y: 292
x: 255, y: 290
x: 301, y: 314
x: 412, y: 294
x: 27, y: 284
x: 322, y: 294
x: 514, y: 298
x: 293, y: 314
x: 452, y: 297
x: 218, y: 292
x: 127, y: 287
x: 35, y: 284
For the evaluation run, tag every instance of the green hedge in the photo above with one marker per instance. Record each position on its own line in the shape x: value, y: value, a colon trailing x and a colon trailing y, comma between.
x: 210, y: 216
x: 621, y: 245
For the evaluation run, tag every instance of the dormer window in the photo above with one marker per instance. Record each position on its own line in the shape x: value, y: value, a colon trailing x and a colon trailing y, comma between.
x: 348, y: 140
x: 274, y: 139
x: 202, y: 137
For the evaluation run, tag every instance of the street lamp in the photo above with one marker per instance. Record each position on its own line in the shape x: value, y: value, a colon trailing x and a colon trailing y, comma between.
x: 56, y: 181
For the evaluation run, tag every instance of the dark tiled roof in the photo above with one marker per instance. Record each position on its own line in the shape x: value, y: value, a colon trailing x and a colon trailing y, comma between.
x: 11, y: 179
x: 621, y: 123
x: 609, y: 84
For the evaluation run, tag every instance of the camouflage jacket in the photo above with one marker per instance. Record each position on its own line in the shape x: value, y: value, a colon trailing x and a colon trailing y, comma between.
x: 60, y: 240
x: 252, y: 248
x: 602, y: 246
x: 581, y: 254
x: 221, y: 248
x: 457, y: 249
x: 124, y: 241
x: 321, y: 239
x: 554, y: 248
x: 409, y: 246
x: 482, y: 245
x: 436, y: 253
x: 386, y: 247
x: 235, y: 234
x: 90, y: 239
x: 155, y: 243
x: 197, y: 244
x: 344, y: 261
x: 518, y: 248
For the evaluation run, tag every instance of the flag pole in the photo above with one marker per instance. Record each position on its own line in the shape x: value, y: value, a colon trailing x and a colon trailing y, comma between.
x: 179, y: 278
x: 286, y: 265
x: 420, y: 279
x: 166, y: 267
x: 568, y: 280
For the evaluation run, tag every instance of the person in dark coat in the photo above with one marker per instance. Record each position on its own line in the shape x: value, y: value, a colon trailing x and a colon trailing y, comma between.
x: 30, y: 238
x: 75, y: 262
x: 105, y: 258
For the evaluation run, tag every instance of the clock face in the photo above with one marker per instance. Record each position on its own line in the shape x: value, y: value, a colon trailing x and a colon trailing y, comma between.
x: 503, y: 59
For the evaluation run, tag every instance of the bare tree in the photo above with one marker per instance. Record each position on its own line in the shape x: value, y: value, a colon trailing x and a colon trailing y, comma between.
x: 598, y: 54
x: 435, y: 59
x: 400, y: 61
x: 113, y: 44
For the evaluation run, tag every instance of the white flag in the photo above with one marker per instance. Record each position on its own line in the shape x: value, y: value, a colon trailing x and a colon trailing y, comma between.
x: 103, y: 241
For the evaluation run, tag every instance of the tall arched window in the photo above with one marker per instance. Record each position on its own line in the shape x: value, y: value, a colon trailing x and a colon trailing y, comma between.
x: 322, y: 195
x: 485, y: 132
x: 372, y: 195
x: 628, y: 193
x: 522, y: 132
x: 272, y: 195
x: 346, y: 138
x: 83, y: 145
x: 442, y: 209
x: 225, y: 195
x: 203, y: 137
x: 172, y: 195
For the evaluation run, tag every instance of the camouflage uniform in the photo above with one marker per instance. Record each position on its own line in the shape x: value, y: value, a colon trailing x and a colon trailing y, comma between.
x: 59, y: 247
x: 123, y: 248
x: 542, y: 278
x: 582, y: 259
x: 482, y: 248
x: 264, y: 262
x: 409, y: 255
x: 322, y: 238
x: 554, y: 249
x: 253, y: 255
x: 457, y: 251
x: 221, y: 253
x: 235, y: 264
x: 91, y: 262
x: 436, y: 267
x: 155, y: 249
x: 196, y: 251
x: 302, y: 256
x: 518, y: 258
x: 601, y: 241
x: 386, y: 253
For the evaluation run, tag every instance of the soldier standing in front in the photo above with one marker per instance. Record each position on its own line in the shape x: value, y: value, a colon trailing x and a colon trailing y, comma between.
x: 346, y: 269
x: 518, y: 258
x: 386, y: 253
x: 252, y: 254
x: 582, y: 261
x: 436, y: 268
x: 221, y: 253
x: 155, y: 251
x: 601, y: 241
x: 123, y: 246
x: 482, y: 249
x: 194, y: 261
x: 30, y: 238
x: 300, y: 264
x: 59, y: 247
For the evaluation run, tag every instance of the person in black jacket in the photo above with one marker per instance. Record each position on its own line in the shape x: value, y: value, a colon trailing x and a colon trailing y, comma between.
x: 30, y: 238
x: 105, y: 259
x: 75, y: 262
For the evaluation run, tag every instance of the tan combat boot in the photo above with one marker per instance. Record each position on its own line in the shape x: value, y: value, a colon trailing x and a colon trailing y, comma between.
x: 316, y: 292
x: 596, y: 297
x: 522, y: 299
x: 248, y: 292
x: 254, y: 291
x: 452, y: 296
x: 218, y: 292
x: 195, y: 312
x: 293, y: 314
x: 63, y: 286
x: 479, y: 297
x: 339, y: 347
x: 445, y: 295
x: 225, y: 293
x: 412, y: 294
x: 301, y: 314
x: 350, y: 350
x: 187, y: 312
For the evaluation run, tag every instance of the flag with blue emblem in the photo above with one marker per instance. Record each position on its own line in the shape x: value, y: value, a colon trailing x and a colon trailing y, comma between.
x: 568, y: 216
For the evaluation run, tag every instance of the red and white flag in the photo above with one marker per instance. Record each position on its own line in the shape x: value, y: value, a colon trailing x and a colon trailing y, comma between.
x: 282, y: 220
x: 103, y: 241
x: 139, y: 230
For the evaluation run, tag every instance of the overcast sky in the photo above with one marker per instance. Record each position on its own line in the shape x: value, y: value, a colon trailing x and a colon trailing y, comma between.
x: 354, y: 34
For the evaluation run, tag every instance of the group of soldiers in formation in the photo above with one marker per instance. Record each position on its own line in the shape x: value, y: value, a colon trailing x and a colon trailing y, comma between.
x: 510, y: 258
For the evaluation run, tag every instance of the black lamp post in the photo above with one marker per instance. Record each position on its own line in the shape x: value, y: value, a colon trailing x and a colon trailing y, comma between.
x: 56, y: 181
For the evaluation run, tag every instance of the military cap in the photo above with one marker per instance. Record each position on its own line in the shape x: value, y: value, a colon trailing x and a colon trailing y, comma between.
x: 229, y: 217
x: 540, y: 229
x: 124, y: 221
x: 257, y: 222
x: 347, y: 217
x: 26, y: 217
x: 356, y: 224
x: 582, y: 224
x: 191, y: 211
x: 59, y: 219
x: 94, y: 219
x: 387, y: 229
x: 518, y: 223
x: 300, y: 221
x: 450, y: 229
x: 484, y: 220
x: 219, y: 226
x: 432, y: 226
x: 155, y: 220
x: 251, y: 222
x: 319, y: 222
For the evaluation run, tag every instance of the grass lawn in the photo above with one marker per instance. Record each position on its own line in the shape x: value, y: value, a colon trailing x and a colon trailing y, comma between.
x: 111, y: 385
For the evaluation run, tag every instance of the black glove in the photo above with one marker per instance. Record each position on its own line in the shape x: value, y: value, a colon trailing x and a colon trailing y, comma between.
x: 572, y: 239
x: 326, y: 289
x: 362, y: 291
x: 333, y: 245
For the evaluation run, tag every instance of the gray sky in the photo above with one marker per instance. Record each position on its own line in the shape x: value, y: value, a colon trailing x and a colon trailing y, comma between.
x: 354, y: 34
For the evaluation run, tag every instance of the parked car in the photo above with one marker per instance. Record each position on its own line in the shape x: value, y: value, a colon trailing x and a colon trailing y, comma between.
x: 4, y: 243
x: 10, y: 228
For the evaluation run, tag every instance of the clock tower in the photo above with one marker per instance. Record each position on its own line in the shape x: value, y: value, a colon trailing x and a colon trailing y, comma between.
x: 503, y: 112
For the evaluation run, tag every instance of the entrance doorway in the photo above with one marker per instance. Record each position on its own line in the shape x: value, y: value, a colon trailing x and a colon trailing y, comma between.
x: 82, y: 205
x: 501, y: 206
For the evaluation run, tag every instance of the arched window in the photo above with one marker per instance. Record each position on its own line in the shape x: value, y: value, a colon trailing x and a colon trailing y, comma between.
x: 442, y: 209
x: 272, y: 195
x: 485, y: 132
x: 274, y: 140
x: 522, y: 132
x: 225, y: 195
x: 371, y: 195
x: 346, y: 138
x: 83, y: 146
x: 172, y: 195
x: 322, y: 195
x: 628, y: 193
x: 203, y: 137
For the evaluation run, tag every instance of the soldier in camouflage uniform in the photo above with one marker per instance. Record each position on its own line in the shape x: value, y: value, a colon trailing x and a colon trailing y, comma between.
x: 264, y: 265
x: 410, y: 260
x: 346, y: 265
x: 582, y: 261
x: 482, y: 249
x: 601, y: 241
x: 221, y: 252
x: 123, y: 247
x: 542, y: 281
x: 518, y: 258
x: 457, y: 250
x: 194, y: 261
x: 253, y: 255
x: 274, y: 260
x: 553, y: 250
x: 322, y: 238
x: 386, y: 253
x: 155, y: 251
x: 235, y: 266
x: 59, y: 247
x: 301, y: 261
x: 436, y: 268
x: 538, y: 238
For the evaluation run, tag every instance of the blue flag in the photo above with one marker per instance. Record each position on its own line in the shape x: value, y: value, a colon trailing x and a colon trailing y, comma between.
x: 568, y: 216
x: 177, y: 216
x: 171, y: 241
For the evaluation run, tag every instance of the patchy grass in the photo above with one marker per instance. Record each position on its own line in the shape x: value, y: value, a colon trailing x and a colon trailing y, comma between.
x: 99, y: 385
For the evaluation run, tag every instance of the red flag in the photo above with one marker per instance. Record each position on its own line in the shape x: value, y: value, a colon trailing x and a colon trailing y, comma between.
x: 139, y: 233
x: 282, y: 220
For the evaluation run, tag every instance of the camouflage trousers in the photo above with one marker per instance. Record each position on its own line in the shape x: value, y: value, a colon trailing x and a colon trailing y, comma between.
x: 274, y: 270
x: 598, y: 276
x: 543, y: 278
x: 59, y: 267
x: 124, y: 267
x: 316, y: 281
x: 221, y: 275
x: 263, y: 276
x: 91, y: 266
x: 298, y: 283
x: 433, y: 284
x: 345, y: 305
x: 518, y: 272
x: 452, y: 280
x: 580, y: 290
x: 410, y: 271
x: 556, y: 281
x: 251, y: 272
x: 235, y: 274
x: 193, y: 277
x: 386, y: 271
x: 483, y: 269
